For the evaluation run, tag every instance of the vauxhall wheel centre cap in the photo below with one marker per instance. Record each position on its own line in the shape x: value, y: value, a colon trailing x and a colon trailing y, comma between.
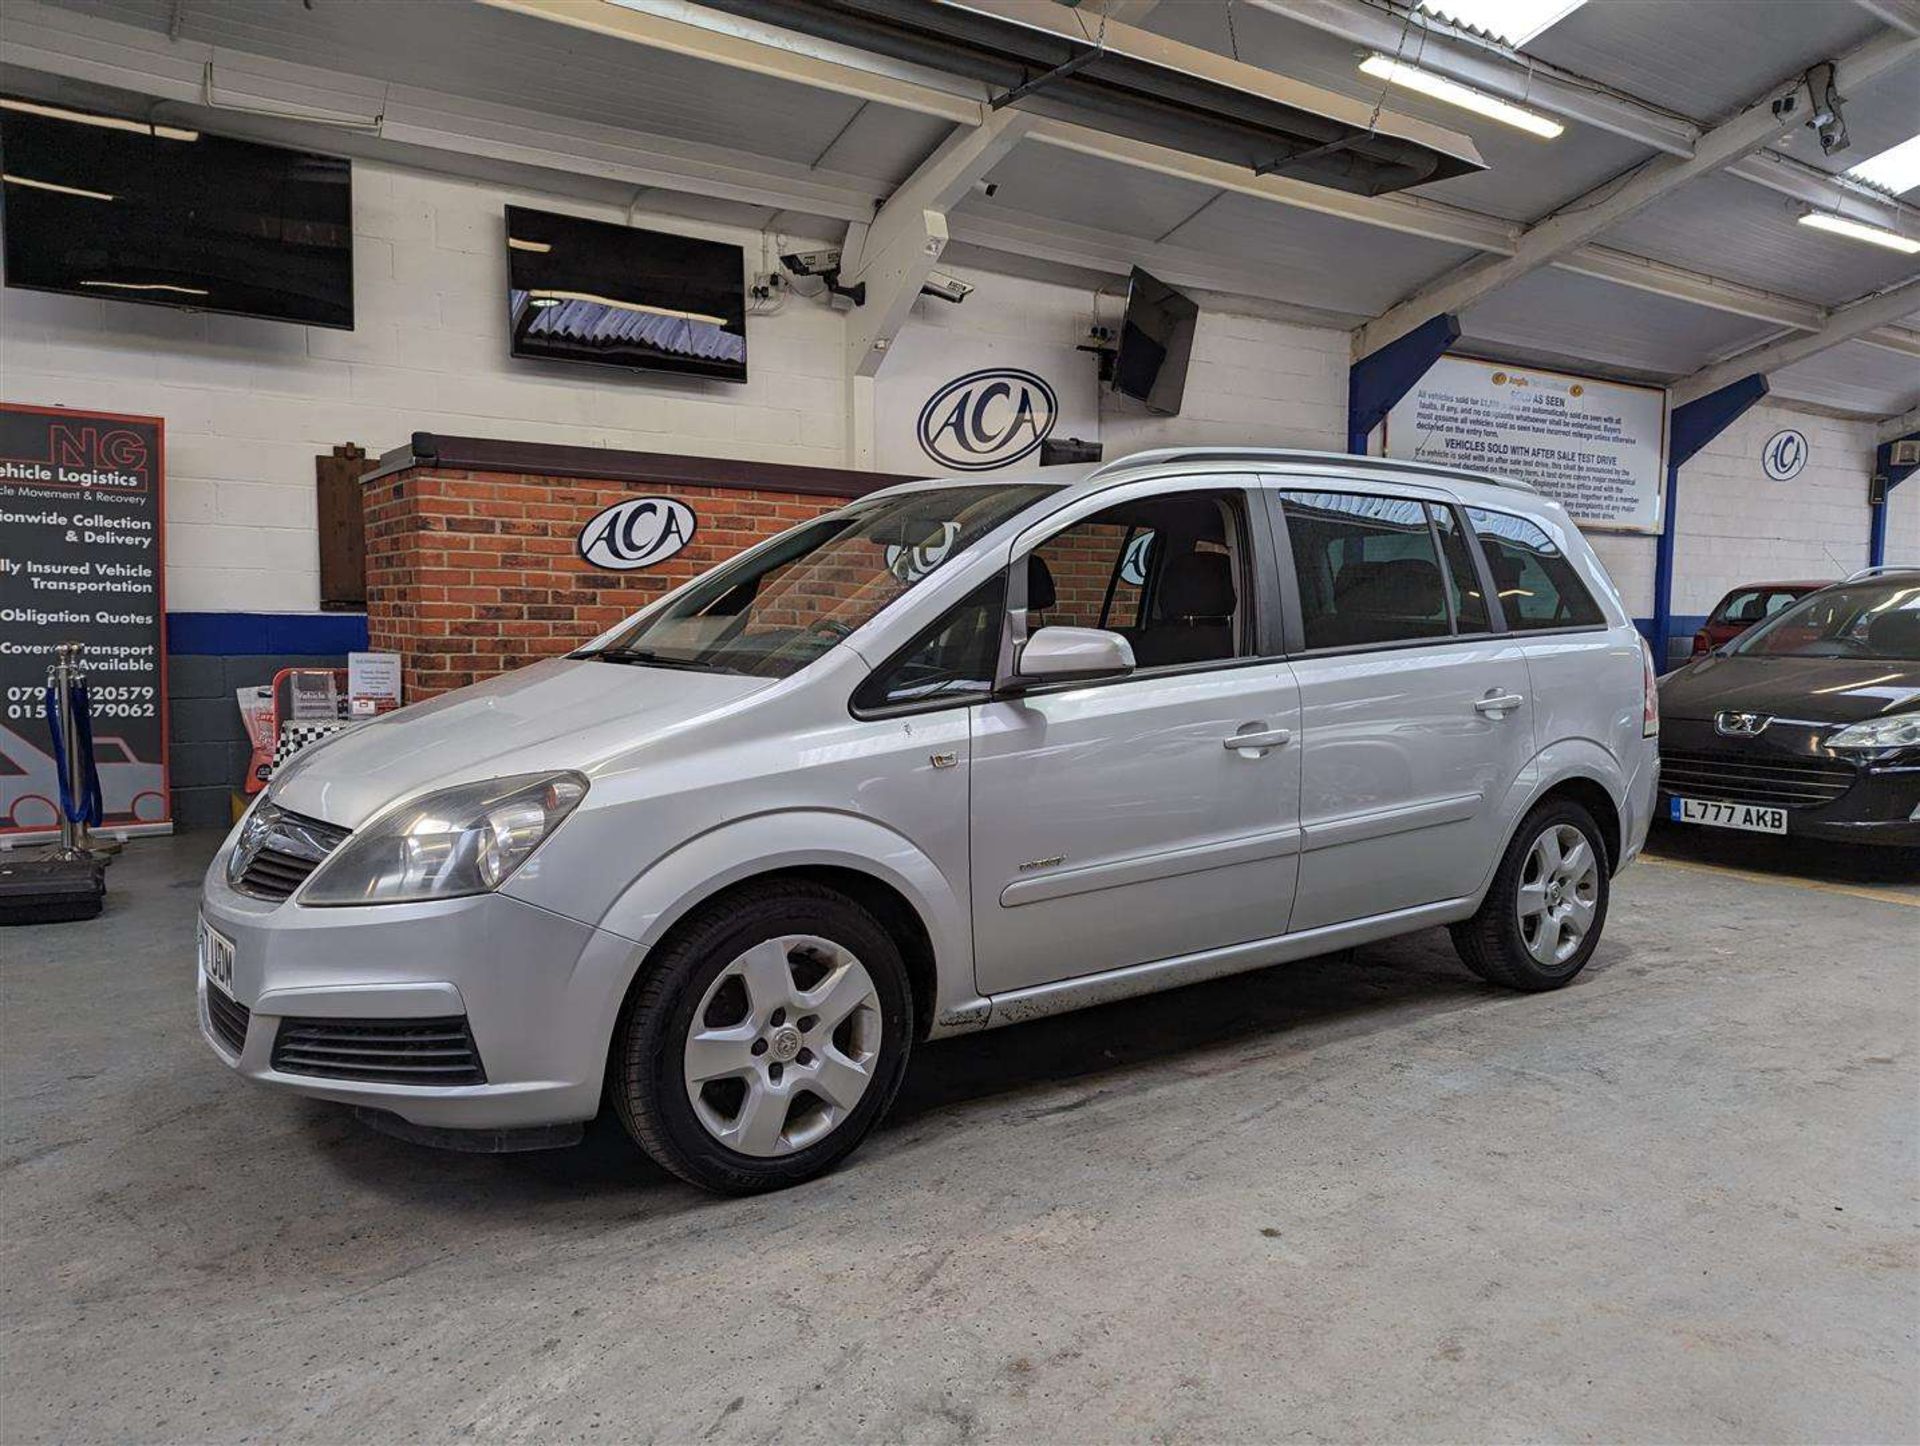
x: 784, y: 1043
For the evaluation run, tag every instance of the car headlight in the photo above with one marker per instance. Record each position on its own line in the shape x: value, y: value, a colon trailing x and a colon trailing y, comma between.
x: 464, y: 840
x: 1900, y: 731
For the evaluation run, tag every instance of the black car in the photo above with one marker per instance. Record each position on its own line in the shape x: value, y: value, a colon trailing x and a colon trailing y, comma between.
x: 1808, y: 724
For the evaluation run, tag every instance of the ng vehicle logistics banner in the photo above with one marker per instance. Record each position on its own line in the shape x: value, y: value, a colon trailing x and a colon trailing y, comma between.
x: 1598, y: 448
x: 81, y: 560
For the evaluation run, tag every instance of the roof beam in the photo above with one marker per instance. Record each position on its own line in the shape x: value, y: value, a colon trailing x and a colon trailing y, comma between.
x: 1843, y: 324
x: 1836, y: 195
x: 1894, y: 428
x: 1611, y: 203
x: 891, y: 257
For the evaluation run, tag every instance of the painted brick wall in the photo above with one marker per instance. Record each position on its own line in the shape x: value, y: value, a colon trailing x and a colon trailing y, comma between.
x: 470, y: 574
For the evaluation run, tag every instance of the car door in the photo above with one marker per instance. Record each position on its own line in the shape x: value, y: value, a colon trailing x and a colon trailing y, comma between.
x: 1116, y: 822
x: 1416, y: 715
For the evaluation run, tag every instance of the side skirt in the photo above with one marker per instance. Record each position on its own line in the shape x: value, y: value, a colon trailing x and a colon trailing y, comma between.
x: 1063, y: 995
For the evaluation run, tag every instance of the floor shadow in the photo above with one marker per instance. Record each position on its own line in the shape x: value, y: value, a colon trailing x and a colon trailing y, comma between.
x: 1199, y: 1028
x: 1840, y: 863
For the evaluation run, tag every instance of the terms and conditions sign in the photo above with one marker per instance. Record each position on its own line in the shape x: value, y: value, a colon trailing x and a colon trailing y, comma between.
x: 81, y: 513
x: 1596, y: 447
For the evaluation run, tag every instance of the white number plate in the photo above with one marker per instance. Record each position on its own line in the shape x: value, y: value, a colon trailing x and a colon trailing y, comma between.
x: 216, y: 956
x: 1749, y: 816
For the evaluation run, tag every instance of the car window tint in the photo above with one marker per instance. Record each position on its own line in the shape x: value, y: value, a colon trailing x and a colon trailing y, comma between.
x: 1537, y: 585
x: 1367, y: 568
x: 1469, y: 605
x: 954, y: 660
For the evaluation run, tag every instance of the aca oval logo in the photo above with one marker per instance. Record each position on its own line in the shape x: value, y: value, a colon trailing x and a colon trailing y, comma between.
x: 637, y: 533
x: 910, y: 564
x: 1785, y: 454
x: 987, y: 419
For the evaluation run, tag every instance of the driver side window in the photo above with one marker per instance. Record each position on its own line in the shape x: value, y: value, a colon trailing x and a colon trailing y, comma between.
x: 951, y: 662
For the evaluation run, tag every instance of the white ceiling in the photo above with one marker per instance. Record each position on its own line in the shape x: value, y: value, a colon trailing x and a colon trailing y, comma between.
x: 1700, y: 59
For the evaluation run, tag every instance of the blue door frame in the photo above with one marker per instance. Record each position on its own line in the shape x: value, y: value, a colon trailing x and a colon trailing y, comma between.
x: 1883, y: 468
x: 1695, y: 424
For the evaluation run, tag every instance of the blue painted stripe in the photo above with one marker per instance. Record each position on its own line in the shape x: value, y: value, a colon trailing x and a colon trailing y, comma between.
x: 300, y: 634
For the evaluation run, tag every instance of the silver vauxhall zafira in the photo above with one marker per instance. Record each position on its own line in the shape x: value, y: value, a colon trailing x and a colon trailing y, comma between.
x: 960, y: 754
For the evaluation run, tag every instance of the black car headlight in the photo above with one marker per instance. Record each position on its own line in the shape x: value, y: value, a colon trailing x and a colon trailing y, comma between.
x: 459, y: 841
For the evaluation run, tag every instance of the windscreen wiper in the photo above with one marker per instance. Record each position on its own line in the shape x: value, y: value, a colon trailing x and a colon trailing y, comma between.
x: 641, y: 658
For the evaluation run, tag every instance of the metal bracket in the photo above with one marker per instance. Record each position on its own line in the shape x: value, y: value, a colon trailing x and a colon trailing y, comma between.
x: 1058, y: 73
x: 1300, y: 158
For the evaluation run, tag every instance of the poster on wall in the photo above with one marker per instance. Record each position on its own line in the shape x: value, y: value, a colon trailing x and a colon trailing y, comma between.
x: 81, y: 508
x: 949, y: 403
x: 1596, y: 447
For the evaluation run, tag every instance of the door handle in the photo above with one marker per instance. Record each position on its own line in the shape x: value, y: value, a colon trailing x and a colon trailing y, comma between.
x: 1498, y: 703
x: 1271, y: 738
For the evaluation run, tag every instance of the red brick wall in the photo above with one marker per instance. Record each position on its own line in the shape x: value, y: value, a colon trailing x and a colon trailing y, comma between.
x: 470, y: 574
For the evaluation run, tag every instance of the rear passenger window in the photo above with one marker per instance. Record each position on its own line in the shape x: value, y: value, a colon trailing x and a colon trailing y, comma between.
x: 1367, y: 567
x: 1538, y: 587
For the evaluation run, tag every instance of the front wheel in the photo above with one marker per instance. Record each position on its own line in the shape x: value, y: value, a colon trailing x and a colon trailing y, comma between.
x: 765, y: 1040
x: 1541, y: 919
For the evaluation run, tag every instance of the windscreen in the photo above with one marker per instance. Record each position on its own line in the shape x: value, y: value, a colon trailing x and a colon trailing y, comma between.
x: 772, y: 612
x: 1878, y: 619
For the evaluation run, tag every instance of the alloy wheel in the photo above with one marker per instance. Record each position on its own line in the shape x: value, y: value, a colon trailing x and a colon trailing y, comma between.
x: 1559, y: 894
x: 783, y: 1045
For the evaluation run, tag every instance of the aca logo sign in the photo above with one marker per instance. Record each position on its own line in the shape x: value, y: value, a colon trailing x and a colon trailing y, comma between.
x: 1785, y: 455
x: 637, y: 533
x: 986, y: 419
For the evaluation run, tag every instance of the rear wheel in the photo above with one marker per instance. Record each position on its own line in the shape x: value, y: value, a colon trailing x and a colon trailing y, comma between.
x: 1541, y: 919
x: 765, y: 1041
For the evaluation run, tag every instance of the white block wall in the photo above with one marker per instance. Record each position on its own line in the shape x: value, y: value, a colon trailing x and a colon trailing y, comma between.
x: 1737, y: 525
x: 249, y: 404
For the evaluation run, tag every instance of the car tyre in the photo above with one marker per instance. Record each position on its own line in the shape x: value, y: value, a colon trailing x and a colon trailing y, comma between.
x: 785, y: 1004
x: 1547, y: 905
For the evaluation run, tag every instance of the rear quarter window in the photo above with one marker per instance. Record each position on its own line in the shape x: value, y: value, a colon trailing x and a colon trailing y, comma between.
x: 1535, y: 581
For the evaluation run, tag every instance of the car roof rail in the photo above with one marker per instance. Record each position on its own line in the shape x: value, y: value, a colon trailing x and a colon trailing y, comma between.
x: 1347, y: 460
x: 1880, y: 569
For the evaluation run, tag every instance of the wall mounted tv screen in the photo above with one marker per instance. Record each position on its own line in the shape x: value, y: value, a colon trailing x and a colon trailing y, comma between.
x: 587, y: 291
x: 1156, y: 342
x: 104, y: 206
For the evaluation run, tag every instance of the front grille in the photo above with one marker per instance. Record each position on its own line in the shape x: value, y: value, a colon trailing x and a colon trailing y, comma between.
x: 286, y: 847
x: 228, y: 1017
x: 1773, y: 782
x: 384, y: 1051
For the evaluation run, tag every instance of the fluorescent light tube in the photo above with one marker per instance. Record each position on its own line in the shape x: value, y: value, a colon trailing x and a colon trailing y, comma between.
x: 1514, y: 22
x: 1858, y: 231
x: 1411, y: 77
x: 517, y: 244
x: 109, y: 122
x: 1895, y: 170
x: 32, y: 184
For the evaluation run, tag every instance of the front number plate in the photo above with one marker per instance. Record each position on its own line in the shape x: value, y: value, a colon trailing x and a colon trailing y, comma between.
x: 216, y: 956
x: 1749, y: 816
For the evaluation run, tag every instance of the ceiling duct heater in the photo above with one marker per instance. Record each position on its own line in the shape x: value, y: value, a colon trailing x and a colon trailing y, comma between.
x: 1050, y: 60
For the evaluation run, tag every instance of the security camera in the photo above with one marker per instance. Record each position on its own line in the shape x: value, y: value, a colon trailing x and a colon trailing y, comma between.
x: 947, y: 288
x: 811, y: 263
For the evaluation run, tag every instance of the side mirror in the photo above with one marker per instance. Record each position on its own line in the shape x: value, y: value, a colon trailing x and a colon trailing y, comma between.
x: 1053, y: 654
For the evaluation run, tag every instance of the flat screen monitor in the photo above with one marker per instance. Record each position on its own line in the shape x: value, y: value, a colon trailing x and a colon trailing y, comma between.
x: 126, y: 210
x: 587, y: 291
x: 1156, y: 342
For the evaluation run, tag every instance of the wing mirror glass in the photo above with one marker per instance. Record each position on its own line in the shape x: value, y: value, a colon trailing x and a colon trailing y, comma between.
x: 1055, y: 653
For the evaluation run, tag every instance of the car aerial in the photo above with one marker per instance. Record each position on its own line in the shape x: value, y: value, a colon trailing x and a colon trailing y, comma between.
x: 1751, y: 603
x: 1808, y: 724
x: 957, y: 755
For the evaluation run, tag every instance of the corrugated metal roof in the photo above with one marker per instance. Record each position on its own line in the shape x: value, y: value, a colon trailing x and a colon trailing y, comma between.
x: 1746, y: 233
x: 1702, y: 58
x: 1854, y: 377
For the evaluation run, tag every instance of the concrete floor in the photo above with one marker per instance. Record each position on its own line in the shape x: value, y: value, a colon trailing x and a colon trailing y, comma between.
x: 1359, y: 1197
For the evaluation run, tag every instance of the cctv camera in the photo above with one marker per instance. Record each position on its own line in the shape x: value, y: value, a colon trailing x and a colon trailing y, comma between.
x: 947, y: 288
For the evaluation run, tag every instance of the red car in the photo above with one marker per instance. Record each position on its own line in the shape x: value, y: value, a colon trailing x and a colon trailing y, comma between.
x: 1744, y: 606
